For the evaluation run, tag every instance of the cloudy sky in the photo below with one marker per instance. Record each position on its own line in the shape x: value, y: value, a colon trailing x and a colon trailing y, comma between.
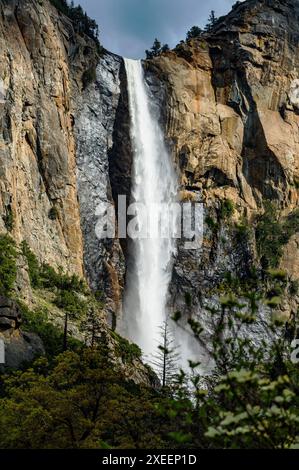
x: 128, y: 27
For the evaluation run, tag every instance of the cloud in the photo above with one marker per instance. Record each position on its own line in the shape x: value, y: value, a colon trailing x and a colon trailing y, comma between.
x: 128, y: 27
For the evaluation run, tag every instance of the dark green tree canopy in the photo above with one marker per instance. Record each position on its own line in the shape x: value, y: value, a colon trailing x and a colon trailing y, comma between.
x: 156, y: 49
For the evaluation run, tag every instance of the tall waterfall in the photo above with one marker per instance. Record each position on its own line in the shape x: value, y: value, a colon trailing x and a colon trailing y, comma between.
x: 154, y: 183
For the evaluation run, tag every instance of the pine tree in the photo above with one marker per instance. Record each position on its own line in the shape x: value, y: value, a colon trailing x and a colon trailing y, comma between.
x: 212, y: 20
x: 165, y: 361
x: 156, y: 49
x: 165, y: 48
x: 194, y: 32
x: 93, y: 324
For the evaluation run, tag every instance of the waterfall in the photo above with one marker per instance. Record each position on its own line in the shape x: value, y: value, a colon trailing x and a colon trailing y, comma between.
x: 154, y: 184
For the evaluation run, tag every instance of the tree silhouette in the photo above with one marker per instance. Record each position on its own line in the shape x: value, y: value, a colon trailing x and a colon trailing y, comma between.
x: 156, y: 49
x: 165, y: 361
x: 212, y: 20
x: 194, y: 32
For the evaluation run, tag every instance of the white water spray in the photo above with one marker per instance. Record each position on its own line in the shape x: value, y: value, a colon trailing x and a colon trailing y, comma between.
x: 154, y: 183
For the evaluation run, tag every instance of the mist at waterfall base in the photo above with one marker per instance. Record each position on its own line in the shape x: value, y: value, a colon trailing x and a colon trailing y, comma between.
x: 150, y: 261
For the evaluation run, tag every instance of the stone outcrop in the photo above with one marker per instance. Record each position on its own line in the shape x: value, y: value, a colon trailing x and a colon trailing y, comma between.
x: 20, y: 346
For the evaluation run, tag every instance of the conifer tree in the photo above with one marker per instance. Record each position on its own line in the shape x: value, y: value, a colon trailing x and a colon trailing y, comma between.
x: 165, y: 361
x: 194, y: 32
x: 212, y: 20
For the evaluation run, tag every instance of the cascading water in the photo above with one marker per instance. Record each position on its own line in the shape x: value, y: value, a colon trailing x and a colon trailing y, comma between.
x: 154, y: 184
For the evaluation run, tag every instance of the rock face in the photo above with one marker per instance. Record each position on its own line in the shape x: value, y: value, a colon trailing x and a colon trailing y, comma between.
x: 20, y: 346
x: 229, y: 104
x: 94, y: 129
x: 38, y: 193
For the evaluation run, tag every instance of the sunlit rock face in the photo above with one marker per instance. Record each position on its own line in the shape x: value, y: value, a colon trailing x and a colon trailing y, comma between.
x: 38, y: 194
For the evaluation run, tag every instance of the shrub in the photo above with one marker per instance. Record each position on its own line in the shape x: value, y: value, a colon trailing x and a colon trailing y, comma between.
x: 156, y: 49
x: 52, y: 336
x: 8, y: 265
x: 294, y: 287
x: 61, y: 5
x: 227, y: 209
x: 211, y: 223
x: 194, y: 32
x: 33, y: 264
x: 126, y: 350
x: 46, y: 276
x: 53, y: 213
x: 242, y: 230
x: 71, y: 303
x: 272, y: 234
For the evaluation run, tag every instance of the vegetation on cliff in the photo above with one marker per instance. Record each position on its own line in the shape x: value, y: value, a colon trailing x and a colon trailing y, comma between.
x: 273, y: 232
x: 8, y: 266
x: 156, y: 49
x: 195, y: 32
x: 83, y: 24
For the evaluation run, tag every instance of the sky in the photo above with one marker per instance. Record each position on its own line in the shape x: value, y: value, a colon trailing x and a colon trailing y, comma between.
x: 128, y: 27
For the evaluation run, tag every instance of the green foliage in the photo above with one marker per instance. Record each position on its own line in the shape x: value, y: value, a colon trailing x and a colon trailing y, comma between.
x: 49, y: 278
x: 269, y: 419
x: 272, y: 234
x: 52, y: 336
x: 33, y: 264
x: 8, y: 266
x: 227, y: 209
x: 251, y: 399
x: 61, y: 5
x: 53, y: 213
x: 44, y: 276
x: 126, y: 350
x: 294, y: 286
x: 72, y: 294
x: 166, y: 359
x: 84, y: 401
x: 70, y: 302
x: 242, y: 230
x: 212, y: 20
x: 211, y: 223
x: 156, y: 49
x: 194, y: 32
